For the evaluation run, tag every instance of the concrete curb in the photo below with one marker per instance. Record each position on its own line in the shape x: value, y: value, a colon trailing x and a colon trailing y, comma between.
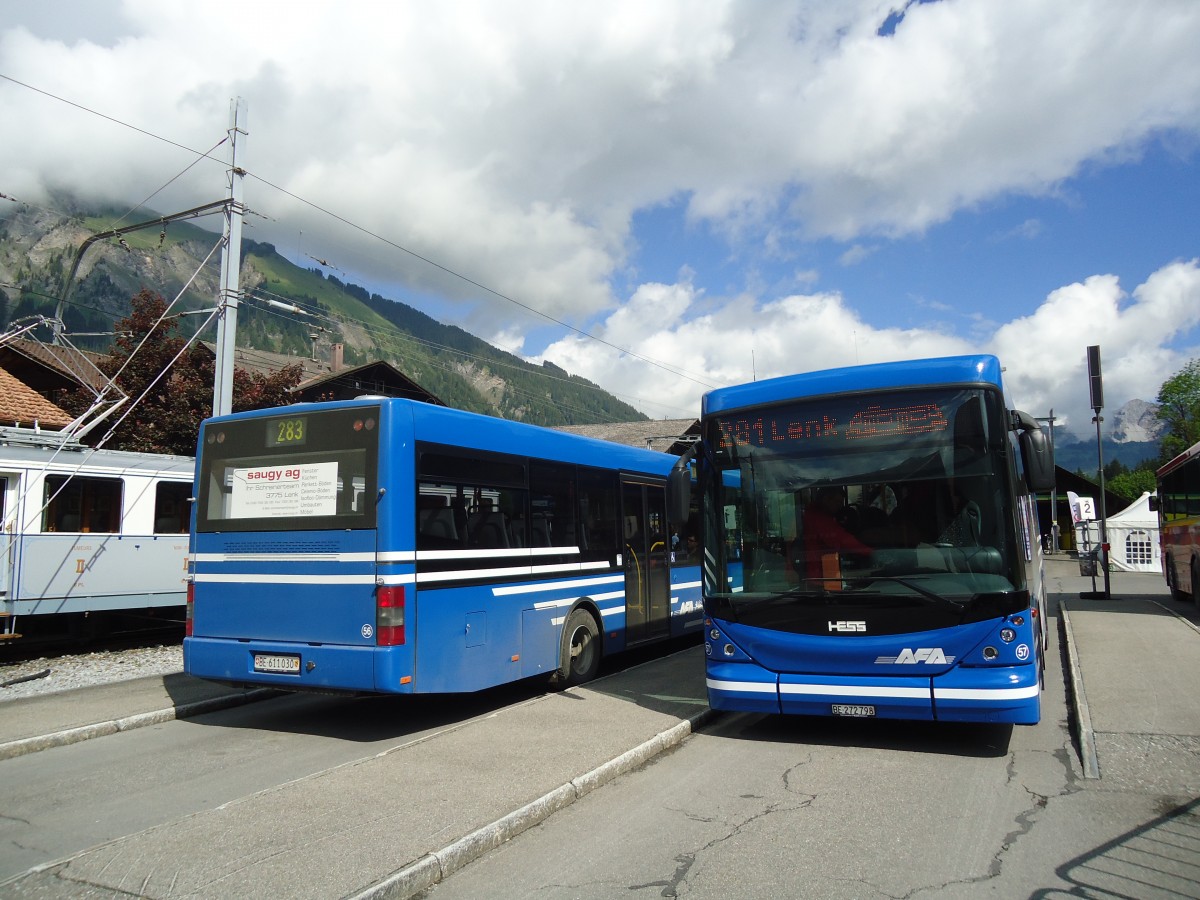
x: 1085, y: 737
x: 432, y: 868
x: 11, y: 749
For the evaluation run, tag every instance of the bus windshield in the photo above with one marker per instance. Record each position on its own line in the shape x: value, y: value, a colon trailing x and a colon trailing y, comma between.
x: 880, y: 501
x: 294, y: 472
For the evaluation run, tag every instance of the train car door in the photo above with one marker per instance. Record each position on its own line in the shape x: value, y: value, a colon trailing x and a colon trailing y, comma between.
x: 8, y: 531
x: 647, y: 576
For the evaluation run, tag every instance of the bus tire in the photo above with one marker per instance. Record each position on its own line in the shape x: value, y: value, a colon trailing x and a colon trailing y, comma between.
x: 579, y: 658
x: 1196, y: 582
x: 1173, y: 583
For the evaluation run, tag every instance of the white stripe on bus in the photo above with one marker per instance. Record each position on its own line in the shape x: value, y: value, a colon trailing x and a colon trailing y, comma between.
x: 272, y: 578
x: 1022, y: 693
x: 567, y: 601
x: 495, y: 552
x: 285, y: 557
x: 823, y: 690
x: 573, y: 584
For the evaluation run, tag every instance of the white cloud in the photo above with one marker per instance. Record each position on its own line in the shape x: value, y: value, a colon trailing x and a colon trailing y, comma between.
x: 1046, y: 351
x: 514, y: 144
x: 515, y: 148
x: 1044, y: 354
x: 855, y: 254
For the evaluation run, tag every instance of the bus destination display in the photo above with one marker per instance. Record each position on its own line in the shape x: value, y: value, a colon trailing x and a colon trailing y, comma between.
x: 810, y: 424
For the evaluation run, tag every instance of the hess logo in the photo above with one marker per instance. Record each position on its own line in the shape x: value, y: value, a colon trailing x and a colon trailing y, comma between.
x: 848, y: 626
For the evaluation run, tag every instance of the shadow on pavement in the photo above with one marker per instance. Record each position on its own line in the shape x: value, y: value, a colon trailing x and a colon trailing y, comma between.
x: 1158, y: 859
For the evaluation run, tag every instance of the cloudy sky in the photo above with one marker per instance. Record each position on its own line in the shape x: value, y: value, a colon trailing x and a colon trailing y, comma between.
x: 666, y: 197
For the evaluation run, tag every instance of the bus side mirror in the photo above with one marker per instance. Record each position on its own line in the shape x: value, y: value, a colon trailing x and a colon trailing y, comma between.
x: 1152, y: 502
x: 1036, y: 456
x: 679, y: 492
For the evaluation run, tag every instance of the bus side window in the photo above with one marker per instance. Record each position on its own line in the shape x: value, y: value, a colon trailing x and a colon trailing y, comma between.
x: 436, y: 525
x: 598, y: 503
x: 552, y: 505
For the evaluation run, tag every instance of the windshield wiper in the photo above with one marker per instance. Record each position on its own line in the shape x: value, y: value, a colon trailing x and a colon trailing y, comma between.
x: 926, y: 594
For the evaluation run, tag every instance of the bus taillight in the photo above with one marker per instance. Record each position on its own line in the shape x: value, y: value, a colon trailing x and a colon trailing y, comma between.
x: 389, y: 615
x: 191, y: 603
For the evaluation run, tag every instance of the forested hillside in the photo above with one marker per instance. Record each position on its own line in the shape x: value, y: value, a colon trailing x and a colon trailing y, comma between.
x: 38, y: 247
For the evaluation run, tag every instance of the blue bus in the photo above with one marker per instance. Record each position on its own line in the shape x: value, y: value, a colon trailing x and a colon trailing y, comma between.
x: 870, y: 544
x: 391, y: 546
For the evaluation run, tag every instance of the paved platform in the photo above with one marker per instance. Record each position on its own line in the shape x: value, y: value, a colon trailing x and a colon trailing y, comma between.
x: 1135, y: 662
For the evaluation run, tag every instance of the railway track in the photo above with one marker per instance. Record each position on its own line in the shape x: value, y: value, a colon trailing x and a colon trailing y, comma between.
x: 48, y: 663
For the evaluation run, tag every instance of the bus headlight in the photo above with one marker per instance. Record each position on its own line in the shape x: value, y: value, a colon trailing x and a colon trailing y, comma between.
x: 1007, y: 635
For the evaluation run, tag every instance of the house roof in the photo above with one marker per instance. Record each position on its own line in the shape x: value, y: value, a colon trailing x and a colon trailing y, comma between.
x: 264, y: 362
x: 377, y: 377
x: 665, y: 435
x: 319, y: 380
x: 21, y: 404
x: 52, y: 366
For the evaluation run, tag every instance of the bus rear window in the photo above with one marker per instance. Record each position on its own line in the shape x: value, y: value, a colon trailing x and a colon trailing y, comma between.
x: 294, y: 472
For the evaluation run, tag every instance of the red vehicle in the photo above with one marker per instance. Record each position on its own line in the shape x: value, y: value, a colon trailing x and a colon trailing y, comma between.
x: 1179, y: 523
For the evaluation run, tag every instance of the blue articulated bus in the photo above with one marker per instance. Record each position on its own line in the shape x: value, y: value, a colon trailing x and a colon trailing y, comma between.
x: 390, y: 546
x: 870, y: 544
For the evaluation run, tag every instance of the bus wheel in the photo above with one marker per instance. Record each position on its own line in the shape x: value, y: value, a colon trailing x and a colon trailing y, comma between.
x: 1196, y: 582
x: 580, y: 655
x: 1173, y: 582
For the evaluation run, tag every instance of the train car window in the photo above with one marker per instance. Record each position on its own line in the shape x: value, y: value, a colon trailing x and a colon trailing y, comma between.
x: 82, y: 504
x: 172, y: 512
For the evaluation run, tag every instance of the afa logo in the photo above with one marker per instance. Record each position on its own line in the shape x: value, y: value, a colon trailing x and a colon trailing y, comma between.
x: 930, y: 655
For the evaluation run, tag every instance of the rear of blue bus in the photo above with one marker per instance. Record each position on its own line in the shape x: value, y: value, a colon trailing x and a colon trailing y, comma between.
x: 287, y: 586
x: 870, y: 549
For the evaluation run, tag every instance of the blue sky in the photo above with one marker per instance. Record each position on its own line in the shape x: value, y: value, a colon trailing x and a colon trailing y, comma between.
x: 723, y: 190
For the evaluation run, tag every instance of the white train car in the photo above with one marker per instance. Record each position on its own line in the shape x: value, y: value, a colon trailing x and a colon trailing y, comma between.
x: 89, y: 531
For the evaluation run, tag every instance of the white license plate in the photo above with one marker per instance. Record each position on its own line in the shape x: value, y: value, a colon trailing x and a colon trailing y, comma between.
x: 267, y: 662
x: 842, y: 709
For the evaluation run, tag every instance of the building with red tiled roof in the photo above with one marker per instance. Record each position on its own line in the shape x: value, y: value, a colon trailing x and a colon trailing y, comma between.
x: 22, y: 405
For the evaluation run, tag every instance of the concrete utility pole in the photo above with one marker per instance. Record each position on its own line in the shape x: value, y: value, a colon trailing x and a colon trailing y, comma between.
x: 231, y: 262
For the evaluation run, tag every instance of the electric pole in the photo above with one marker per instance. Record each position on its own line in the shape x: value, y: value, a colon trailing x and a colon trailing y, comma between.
x: 231, y: 262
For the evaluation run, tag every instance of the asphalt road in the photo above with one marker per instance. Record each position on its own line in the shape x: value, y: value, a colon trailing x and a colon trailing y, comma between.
x: 321, y: 797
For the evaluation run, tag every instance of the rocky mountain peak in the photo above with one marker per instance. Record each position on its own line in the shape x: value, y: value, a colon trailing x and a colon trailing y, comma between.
x: 1136, y: 421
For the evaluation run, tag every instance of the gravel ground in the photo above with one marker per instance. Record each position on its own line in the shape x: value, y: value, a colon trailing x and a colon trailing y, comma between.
x: 66, y: 673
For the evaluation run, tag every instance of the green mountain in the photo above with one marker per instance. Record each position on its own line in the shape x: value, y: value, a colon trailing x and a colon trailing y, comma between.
x: 38, y: 248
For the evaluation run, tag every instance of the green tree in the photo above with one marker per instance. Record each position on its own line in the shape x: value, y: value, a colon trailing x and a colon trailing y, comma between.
x: 1179, y: 410
x: 1131, y: 484
x: 167, y: 419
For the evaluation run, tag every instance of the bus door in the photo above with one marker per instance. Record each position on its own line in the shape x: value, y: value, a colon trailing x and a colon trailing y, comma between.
x: 646, y: 553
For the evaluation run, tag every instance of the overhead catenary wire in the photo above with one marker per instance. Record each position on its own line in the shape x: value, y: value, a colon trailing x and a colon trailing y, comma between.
x: 483, y: 287
x: 172, y: 179
x: 389, y: 331
x: 673, y: 370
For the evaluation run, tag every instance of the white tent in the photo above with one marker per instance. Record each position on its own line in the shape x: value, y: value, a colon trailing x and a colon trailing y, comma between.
x: 1132, y: 538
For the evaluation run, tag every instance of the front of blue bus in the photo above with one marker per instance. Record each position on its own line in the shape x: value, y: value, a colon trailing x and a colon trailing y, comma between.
x: 870, y: 549
x: 287, y: 586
